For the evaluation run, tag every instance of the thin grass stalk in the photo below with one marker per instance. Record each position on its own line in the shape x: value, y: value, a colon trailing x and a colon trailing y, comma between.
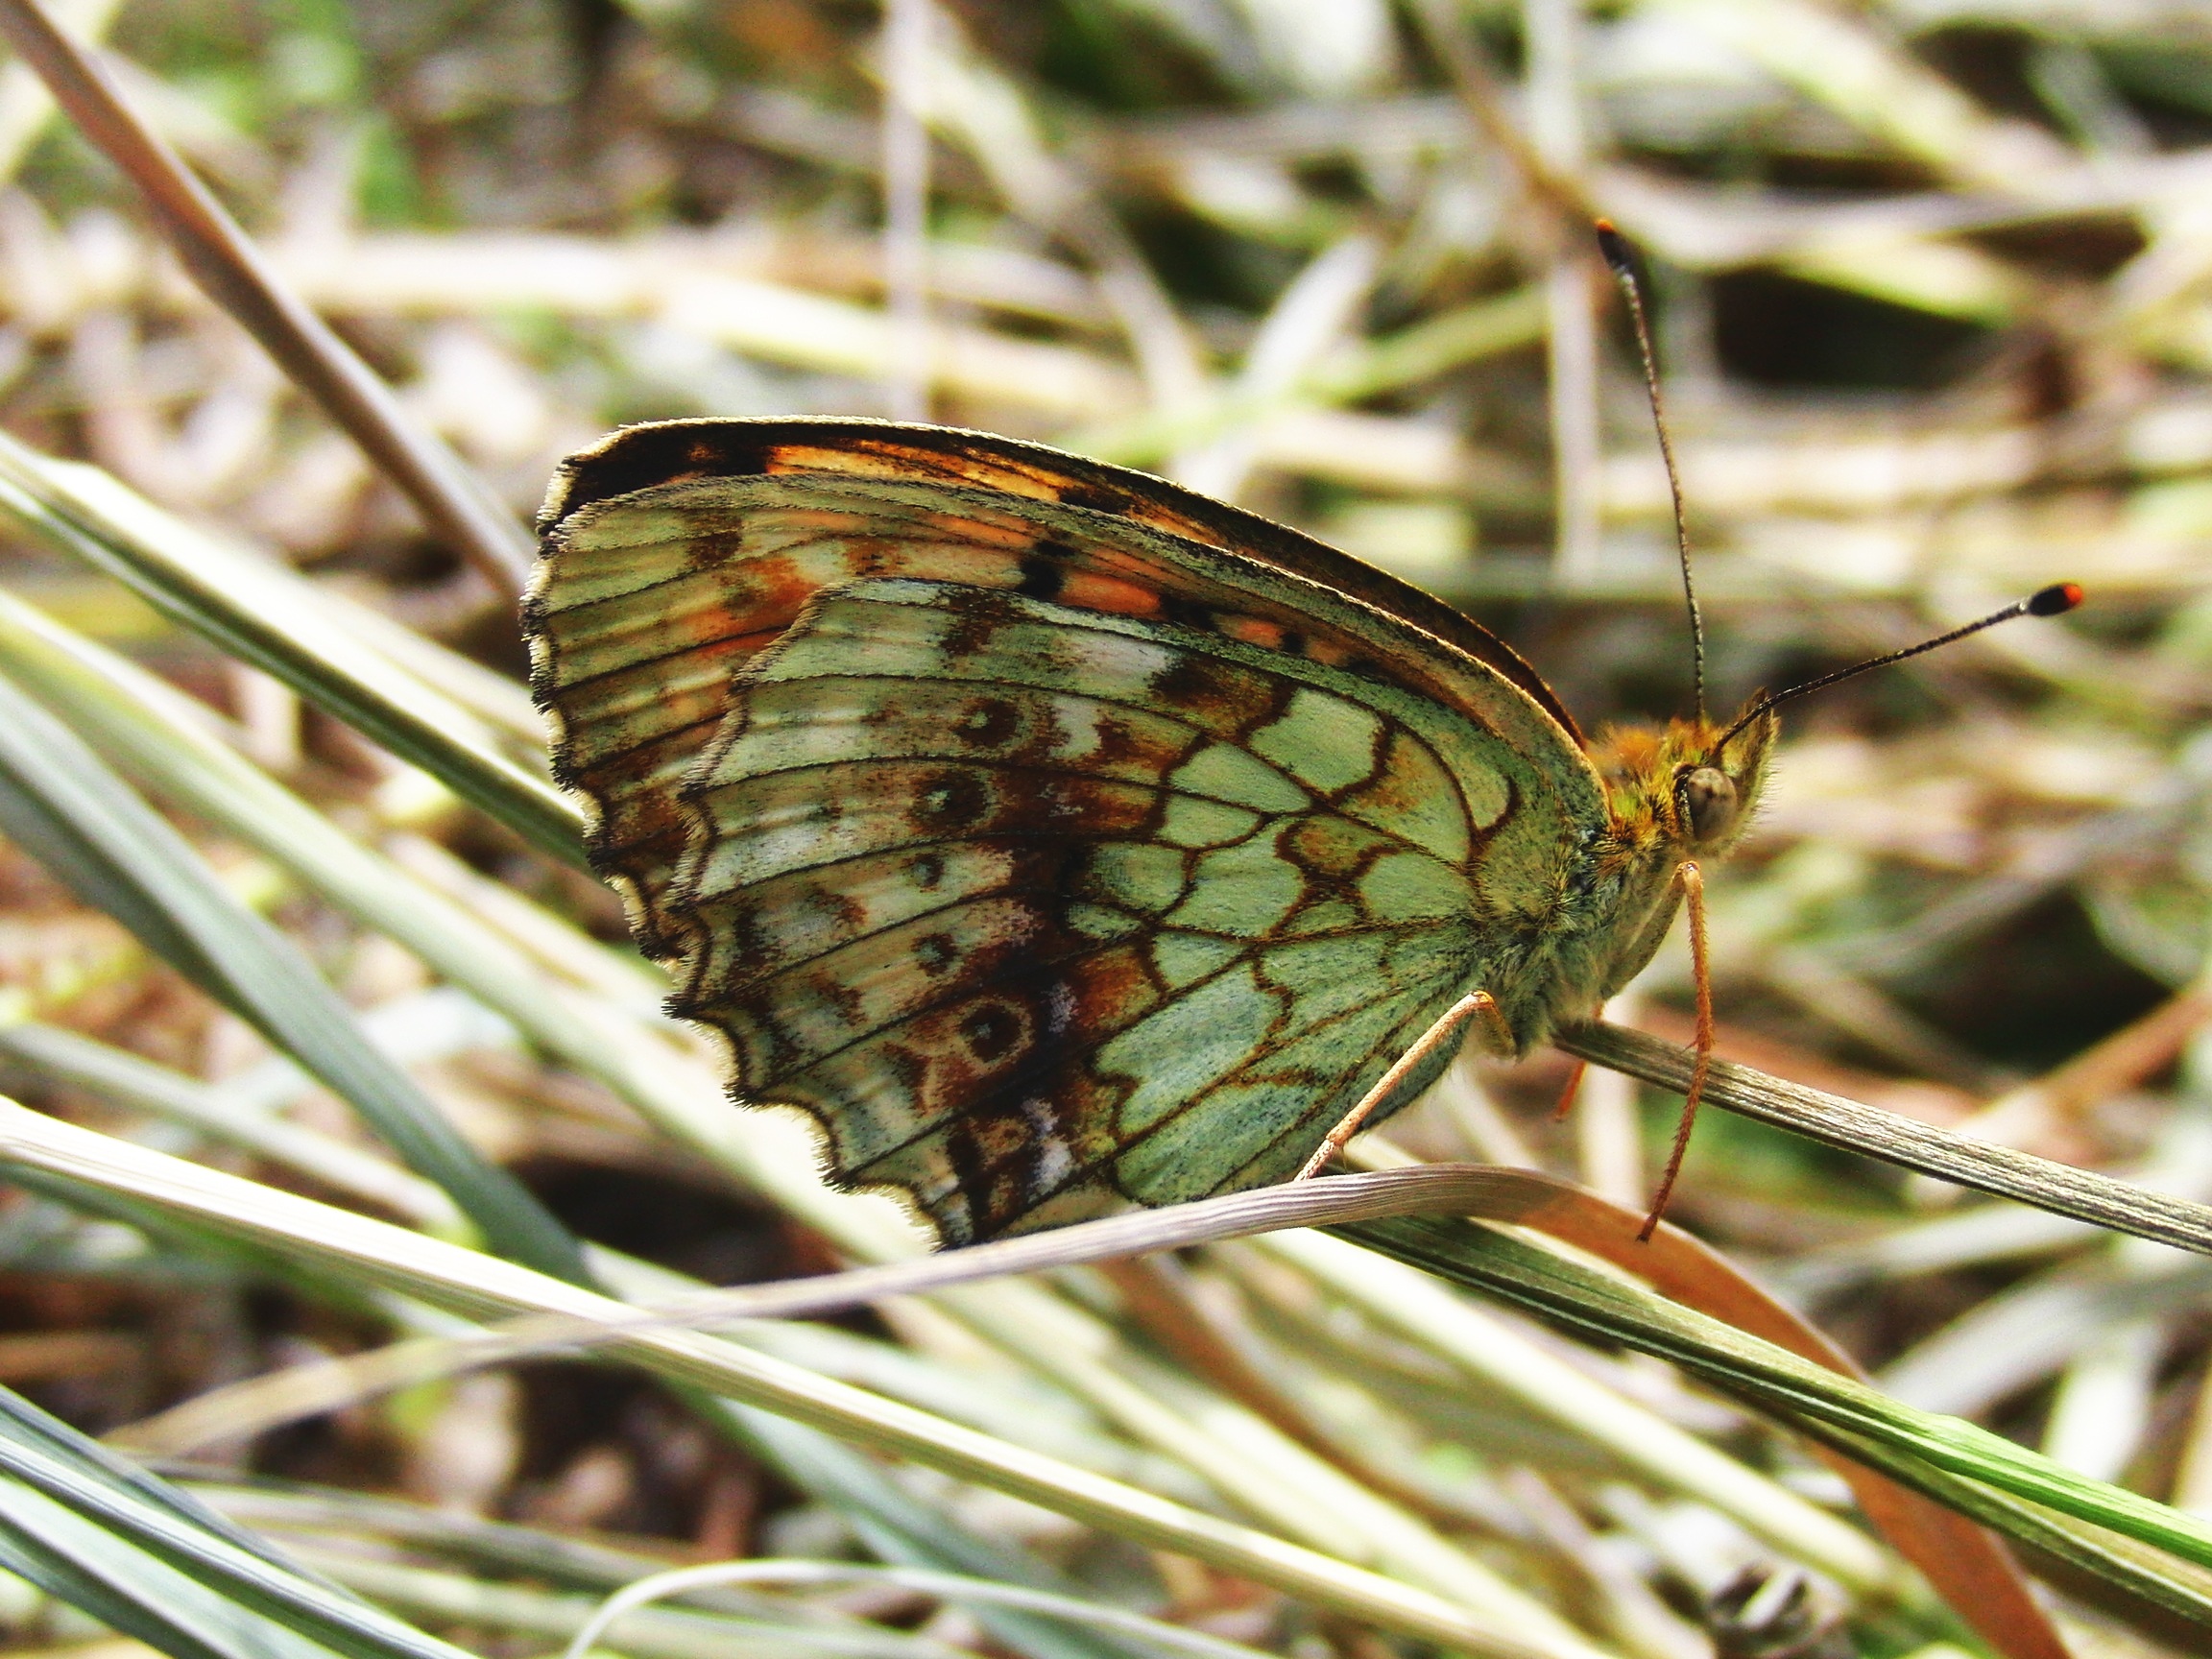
x: 225, y: 263
x: 1984, y: 1167
x: 1445, y: 29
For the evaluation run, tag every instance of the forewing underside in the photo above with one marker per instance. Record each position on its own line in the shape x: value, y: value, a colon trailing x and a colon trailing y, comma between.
x: 642, y: 458
x: 647, y: 606
x: 1038, y: 910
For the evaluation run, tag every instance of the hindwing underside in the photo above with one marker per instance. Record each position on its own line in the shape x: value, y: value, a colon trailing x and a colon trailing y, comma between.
x: 1038, y: 911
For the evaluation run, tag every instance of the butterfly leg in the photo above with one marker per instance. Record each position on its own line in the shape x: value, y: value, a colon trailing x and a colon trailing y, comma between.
x: 1572, y: 1089
x: 1575, y: 1077
x: 1477, y: 1004
x: 1691, y: 880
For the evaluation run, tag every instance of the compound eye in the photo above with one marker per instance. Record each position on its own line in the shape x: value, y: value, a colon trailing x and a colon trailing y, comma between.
x: 1708, y: 802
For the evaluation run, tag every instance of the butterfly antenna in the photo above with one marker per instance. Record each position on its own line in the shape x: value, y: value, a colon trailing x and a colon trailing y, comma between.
x: 2054, y: 600
x: 1615, y: 246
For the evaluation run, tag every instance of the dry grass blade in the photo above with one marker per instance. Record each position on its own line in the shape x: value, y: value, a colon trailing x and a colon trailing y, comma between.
x: 1962, y: 1560
x: 1983, y: 1166
x: 225, y: 263
x: 946, y: 1586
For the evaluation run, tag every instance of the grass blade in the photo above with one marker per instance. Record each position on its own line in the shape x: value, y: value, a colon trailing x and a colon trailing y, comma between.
x: 59, y: 802
x: 1601, y: 1307
x: 271, y: 619
x: 152, y: 1562
x: 1981, y: 1165
x: 226, y: 265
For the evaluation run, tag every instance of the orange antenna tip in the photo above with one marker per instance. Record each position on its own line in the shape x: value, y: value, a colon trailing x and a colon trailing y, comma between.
x: 2054, y: 600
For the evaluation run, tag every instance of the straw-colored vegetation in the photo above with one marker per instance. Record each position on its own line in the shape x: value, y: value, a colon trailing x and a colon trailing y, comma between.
x: 337, y: 1053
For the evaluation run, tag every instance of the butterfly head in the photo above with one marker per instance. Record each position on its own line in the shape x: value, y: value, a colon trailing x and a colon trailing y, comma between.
x: 1716, y: 795
x: 1690, y: 786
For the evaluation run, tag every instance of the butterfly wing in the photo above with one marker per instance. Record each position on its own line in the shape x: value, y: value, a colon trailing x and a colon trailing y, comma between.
x: 1050, y: 856
x: 674, y: 552
x: 652, y: 457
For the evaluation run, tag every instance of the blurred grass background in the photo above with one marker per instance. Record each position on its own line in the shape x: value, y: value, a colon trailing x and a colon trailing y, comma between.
x: 1933, y: 288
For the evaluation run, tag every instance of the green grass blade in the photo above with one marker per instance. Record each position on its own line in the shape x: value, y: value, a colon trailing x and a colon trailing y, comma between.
x: 272, y: 619
x: 152, y: 1562
x: 2123, y: 1569
x: 1602, y: 1306
x: 62, y: 805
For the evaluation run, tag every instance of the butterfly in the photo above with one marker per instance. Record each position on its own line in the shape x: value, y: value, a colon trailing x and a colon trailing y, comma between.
x: 1061, y: 839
